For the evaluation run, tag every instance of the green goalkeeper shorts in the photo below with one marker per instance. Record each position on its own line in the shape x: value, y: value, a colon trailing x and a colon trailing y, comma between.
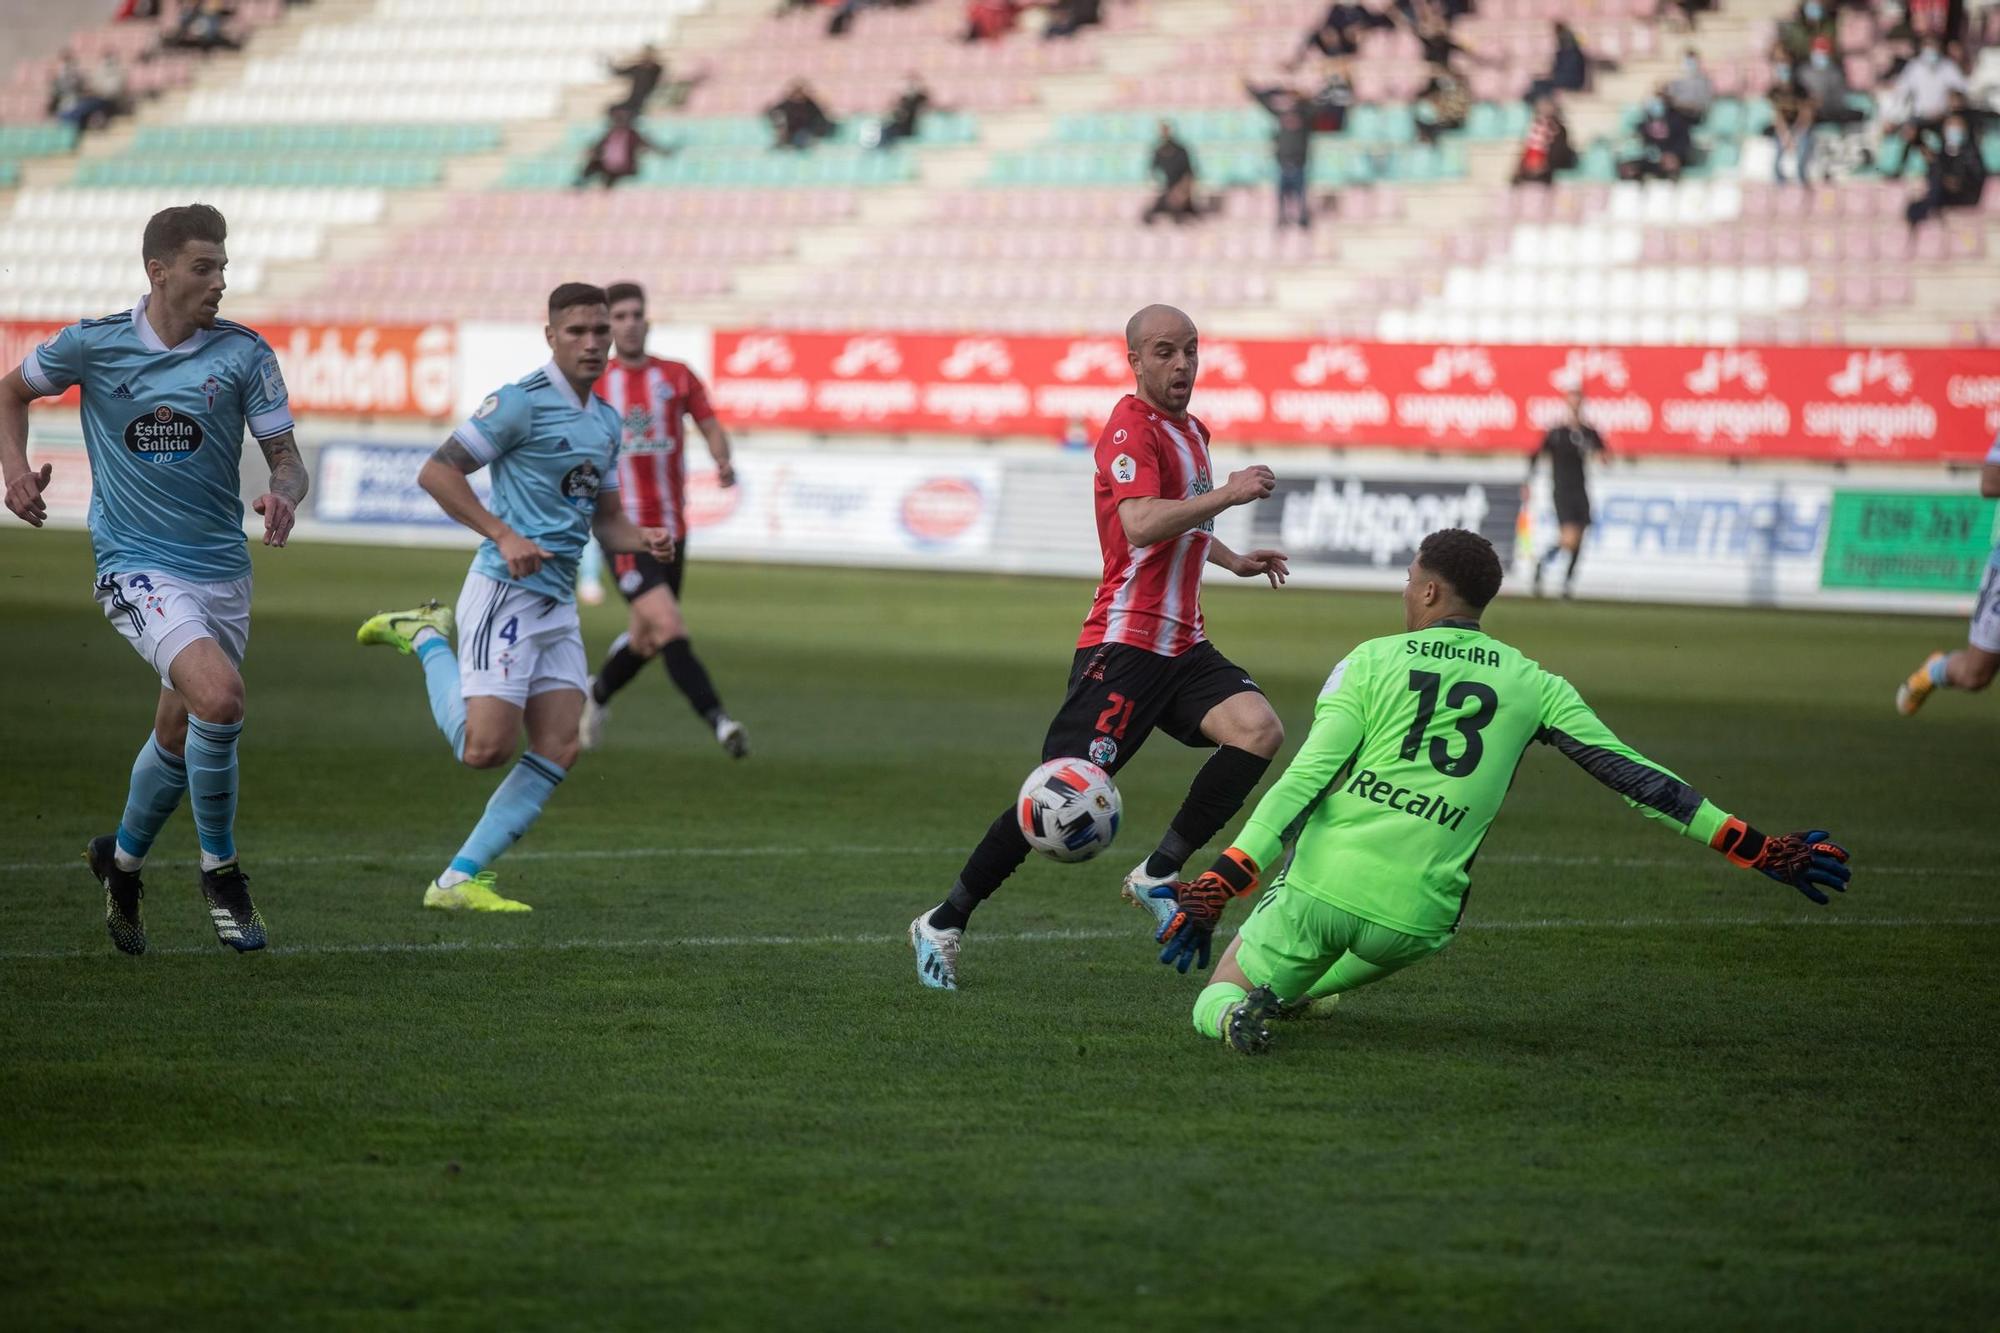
x: 1300, y: 945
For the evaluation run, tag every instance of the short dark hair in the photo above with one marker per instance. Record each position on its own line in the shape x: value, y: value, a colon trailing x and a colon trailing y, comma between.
x: 171, y: 228
x: 574, y: 294
x: 625, y: 291
x: 1465, y: 560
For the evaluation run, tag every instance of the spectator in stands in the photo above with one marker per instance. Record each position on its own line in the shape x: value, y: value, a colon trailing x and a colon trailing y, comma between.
x: 1569, y: 68
x: 1956, y: 177
x: 906, y: 113
x: 202, y: 27
x: 642, y: 75
x: 1291, y: 147
x: 797, y: 118
x: 990, y: 20
x: 1923, y: 90
x: 108, y: 84
x: 1665, y: 143
x: 1791, y: 118
x: 1896, y: 41
x: 1339, y: 33
x: 1443, y: 103
x: 1174, y: 168
x: 1335, y: 98
x: 1812, y: 20
x: 1692, y: 92
x: 1545, y: 149
x: 1825, y: 82
x: 137, y: 9
x: 616, y: 155
x: 72, y: 100
x: 1069, y: 17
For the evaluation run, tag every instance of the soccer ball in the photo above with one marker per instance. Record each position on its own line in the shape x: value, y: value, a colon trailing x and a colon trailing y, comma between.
x: 1069, y: 809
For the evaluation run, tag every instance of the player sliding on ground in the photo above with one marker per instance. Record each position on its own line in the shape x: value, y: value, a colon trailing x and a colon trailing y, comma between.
x: 167, y: 392
x: 1414, y: 743
x: 1143, y: 660
x: 553, y: 446
x: 1971, y: 667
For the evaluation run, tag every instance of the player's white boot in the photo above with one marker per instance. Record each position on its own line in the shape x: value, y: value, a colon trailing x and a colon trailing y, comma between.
x: 590, y: 729
x: 731, y: 736
x: 1138, y: 891
x: 937, y: 953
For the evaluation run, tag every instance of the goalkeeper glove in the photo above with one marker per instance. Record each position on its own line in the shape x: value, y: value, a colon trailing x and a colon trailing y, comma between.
x: 1810, y: 862
x: 1190, y: 931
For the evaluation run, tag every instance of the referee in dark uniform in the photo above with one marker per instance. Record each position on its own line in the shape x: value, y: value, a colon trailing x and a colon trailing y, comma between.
x: 1565, y: 446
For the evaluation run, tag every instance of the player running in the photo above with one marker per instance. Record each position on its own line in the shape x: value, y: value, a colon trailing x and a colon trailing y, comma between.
x: 553, y: 446
x: 1971, y: 667
x: 1565, y: 446
x: 653, y: 397
x: 1414, y: 744
x: 1143, y: 661
x: 167, y: 392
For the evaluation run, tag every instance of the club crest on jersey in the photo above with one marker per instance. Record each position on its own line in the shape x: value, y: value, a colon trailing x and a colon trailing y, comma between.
x: 1119, y: 436
x: 209, y: 388
x: 1103, y: 751
x: 579, y: 486
x: 487, y: 408
x: 162, y: 435
x: 1123, y: 469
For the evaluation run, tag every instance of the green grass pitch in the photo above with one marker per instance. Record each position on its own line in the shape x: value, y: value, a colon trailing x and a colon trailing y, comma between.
x: 700, y: 1087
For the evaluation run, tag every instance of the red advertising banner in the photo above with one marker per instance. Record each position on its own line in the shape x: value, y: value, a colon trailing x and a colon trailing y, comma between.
x: 1823, y: 403
x: 400, y: 370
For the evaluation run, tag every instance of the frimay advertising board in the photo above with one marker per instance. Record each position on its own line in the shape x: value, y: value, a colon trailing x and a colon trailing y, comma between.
x: 1824, y: 403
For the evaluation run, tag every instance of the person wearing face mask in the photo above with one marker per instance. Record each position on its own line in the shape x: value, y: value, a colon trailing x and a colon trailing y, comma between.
x: 1925, y: 87
x: 1813, y: 19
x: 1955, y: 177
x: 1692, y: 92
x: 1791, y: 120
x: 1822, y: 79
x: 1665, y: 143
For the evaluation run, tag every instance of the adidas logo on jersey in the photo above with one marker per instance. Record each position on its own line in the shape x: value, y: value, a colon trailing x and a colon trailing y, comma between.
x: 123, y: 390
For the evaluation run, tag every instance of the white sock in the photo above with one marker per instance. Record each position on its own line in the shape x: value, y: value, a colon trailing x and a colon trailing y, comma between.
x: 127, y: 862
x: 452, y: 878
x: 418, y: 640
x: 210, y: 861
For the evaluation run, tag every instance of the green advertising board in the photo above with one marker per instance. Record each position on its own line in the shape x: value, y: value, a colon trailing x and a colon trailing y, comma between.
x: 1908, y: 541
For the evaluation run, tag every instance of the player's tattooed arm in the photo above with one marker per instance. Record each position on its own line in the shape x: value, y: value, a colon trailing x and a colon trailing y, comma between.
x: 288, y: 469
x: 456, y: 457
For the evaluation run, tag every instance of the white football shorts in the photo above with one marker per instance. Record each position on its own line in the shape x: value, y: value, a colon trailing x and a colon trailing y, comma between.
x: 160, y: 614
x: 1986, y: 611
x: 514, y: 644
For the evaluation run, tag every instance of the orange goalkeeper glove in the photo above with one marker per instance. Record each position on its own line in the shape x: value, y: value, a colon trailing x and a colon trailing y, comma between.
x: 1190, y: 931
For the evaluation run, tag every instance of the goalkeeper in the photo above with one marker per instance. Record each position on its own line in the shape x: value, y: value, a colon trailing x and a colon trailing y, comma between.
x: 1414, y: 743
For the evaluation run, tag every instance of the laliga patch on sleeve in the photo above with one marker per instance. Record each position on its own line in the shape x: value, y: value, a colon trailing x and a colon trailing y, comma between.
x: 1123, y: 469
x: 1333, y: 681
x: 487, y: 408
x: 274, y: 379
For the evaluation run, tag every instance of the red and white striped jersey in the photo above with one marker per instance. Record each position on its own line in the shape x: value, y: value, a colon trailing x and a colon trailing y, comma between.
x: 653, y: 402
x: 1151, y: 596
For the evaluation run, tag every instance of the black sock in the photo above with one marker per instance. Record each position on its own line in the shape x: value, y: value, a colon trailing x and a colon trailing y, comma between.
x: 1168, y: 858
x: 1218, y: 792
x: 691, y: 678
x: 1569, y: 575
x: 620, y: 665
x: 998, y: 855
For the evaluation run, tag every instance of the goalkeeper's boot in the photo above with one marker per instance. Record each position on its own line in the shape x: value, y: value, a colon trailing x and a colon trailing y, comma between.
x: 1306, y: 1006
x: 1910, y: 695
x: 398, y: 629
x: 1139, y: 889
x: 731, y: 736
x: 1247, y: 1024
x: 590, y: 729
x: 472, y: 895
x: 122, y: 892
x: 937, y: 953
x: 237, y: 921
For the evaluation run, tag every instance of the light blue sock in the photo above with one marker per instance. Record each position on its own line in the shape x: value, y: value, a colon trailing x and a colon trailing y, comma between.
x: 211, y: 778
x: 1938, y: 670
x: 441, y: 679
x: 515, y: 807
x: 158, y: 780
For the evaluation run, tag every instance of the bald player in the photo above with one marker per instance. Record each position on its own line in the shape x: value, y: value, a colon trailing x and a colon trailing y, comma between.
x: 1143, y: 662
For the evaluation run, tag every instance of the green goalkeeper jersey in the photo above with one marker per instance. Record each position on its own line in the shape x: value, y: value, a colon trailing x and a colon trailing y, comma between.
x: 1414, y: 743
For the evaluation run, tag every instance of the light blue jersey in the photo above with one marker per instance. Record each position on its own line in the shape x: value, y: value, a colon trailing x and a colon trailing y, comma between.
x: 164, y: 429
x: 551, y: 455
